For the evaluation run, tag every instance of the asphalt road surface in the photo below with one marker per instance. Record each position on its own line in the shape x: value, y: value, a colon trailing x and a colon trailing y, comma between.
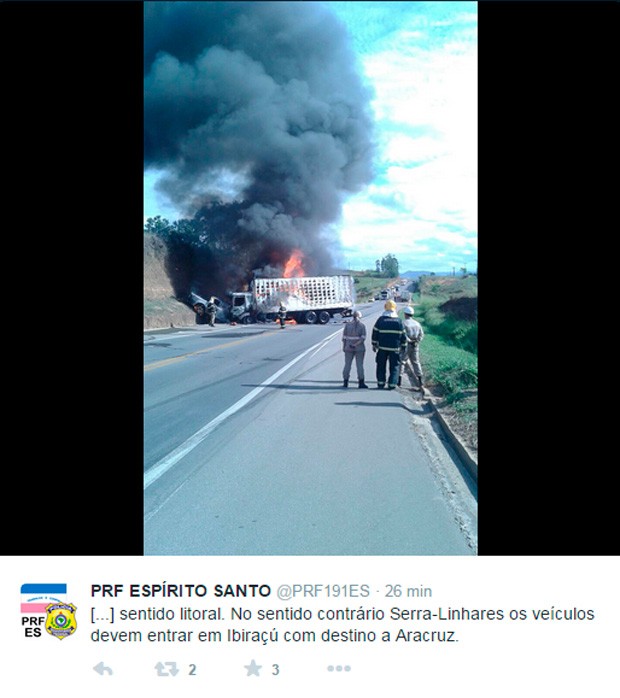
x: 253, y: 447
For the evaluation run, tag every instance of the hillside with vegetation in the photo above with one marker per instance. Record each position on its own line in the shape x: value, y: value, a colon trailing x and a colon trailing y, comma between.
x: 447, y: 308
x: 369, y: 284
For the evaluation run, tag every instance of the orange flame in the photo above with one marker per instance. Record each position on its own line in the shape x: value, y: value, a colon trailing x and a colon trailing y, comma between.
x: 294, y: 266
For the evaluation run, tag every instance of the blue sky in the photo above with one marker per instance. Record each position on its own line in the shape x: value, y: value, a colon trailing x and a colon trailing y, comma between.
x: 421, y: 60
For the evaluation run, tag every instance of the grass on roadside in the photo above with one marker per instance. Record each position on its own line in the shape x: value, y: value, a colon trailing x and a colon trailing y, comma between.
x: 454, y: 371
x: 452, y: 374
x: 449, y: 352
x: 450, y: 314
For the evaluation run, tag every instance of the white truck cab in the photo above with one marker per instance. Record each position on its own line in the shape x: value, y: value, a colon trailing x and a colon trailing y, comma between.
x: 241, y: 307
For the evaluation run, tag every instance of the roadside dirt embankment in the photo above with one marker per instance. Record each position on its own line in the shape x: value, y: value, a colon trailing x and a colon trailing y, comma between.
x: 161, y: 309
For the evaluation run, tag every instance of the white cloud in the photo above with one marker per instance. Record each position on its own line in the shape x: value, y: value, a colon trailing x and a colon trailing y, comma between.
x: 425, y: 81
x: 404, y: 149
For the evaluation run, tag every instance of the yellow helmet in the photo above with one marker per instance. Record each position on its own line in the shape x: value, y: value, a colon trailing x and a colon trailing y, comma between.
x: 390, y: 305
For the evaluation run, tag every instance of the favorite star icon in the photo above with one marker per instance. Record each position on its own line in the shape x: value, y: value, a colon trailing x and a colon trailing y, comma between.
x: 253, y: 668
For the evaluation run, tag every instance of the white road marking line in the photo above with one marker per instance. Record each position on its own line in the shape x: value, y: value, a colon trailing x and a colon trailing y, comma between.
x: 162, y: 466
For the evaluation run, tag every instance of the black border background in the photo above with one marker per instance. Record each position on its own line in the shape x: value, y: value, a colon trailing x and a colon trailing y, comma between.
x: 72, y: 74
x: 73, y: 207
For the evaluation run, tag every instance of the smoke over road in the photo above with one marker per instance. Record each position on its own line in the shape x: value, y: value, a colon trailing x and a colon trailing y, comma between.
x: 258, y: 115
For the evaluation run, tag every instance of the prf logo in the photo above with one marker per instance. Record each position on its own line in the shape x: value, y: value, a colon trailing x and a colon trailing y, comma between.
x: 61, y: 620
x: 45, y: 605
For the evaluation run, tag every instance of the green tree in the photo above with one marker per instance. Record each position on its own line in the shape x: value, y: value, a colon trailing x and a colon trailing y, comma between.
x: 158, y: 226
x: 189, y: 231
x: 183, y: 231
x: 389, y: 266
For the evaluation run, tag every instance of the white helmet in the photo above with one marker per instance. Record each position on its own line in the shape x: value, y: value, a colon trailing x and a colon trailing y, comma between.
x: 408, y: 310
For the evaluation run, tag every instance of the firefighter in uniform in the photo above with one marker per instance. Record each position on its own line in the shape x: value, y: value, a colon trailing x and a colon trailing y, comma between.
x: 388, y: 341
x: 353, y: 338
x: 415, y: 334
x: 282, y: 315
x: 211, y: 312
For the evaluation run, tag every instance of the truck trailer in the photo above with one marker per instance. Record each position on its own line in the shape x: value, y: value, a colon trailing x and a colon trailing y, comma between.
x: 307, y: 299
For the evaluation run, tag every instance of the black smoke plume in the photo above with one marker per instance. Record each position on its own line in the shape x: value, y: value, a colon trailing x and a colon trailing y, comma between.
x: 258, y: 115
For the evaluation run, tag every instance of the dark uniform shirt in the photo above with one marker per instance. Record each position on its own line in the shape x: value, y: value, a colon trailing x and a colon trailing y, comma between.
x: 389, y: 334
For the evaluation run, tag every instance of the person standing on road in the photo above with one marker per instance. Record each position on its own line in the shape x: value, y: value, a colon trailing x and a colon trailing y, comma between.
x: 415, y: 334
x: 211, y: 312
x: 353, y: 338
x: 388, y: 341
x: 282, y: 315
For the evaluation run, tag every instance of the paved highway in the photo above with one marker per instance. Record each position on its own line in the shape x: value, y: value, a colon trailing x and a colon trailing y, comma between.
x: 252, y: 447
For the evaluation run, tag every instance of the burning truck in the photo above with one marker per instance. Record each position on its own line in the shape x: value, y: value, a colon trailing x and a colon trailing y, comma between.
x: 307, y: 299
